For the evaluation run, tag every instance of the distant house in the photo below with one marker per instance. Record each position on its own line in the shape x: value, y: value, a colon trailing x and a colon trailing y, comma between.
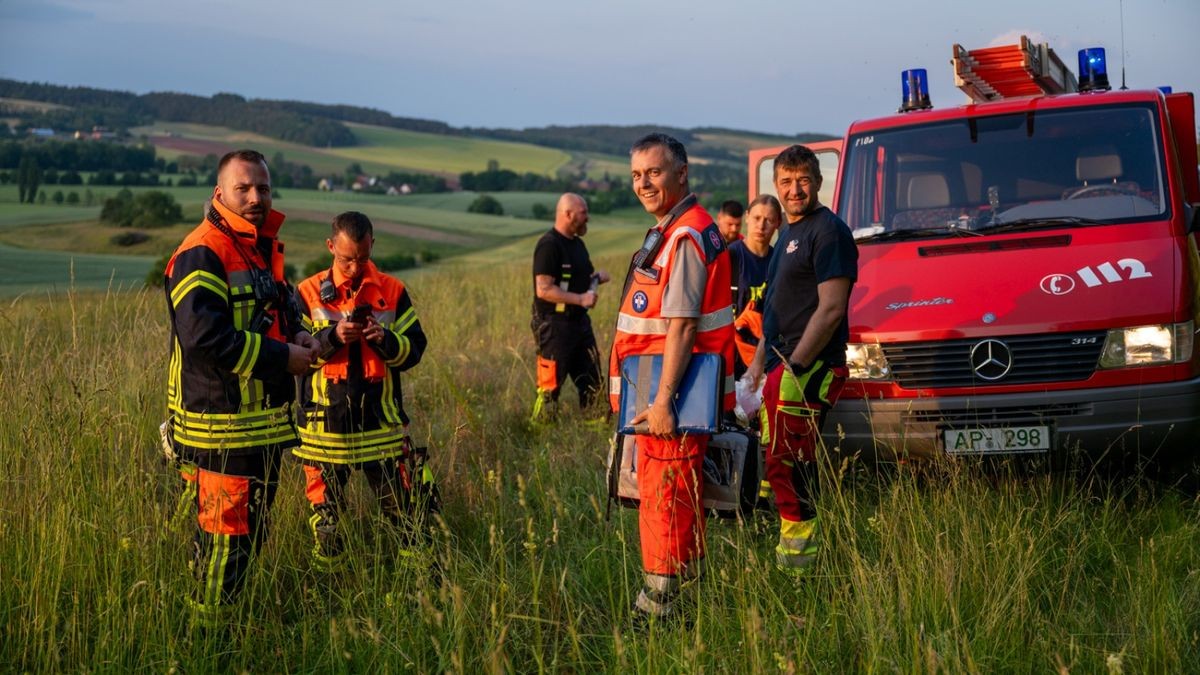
x: 589, y: 185
x: 402, y: 189
x: 42, y: 132
x: 325, y: 185
x: 102, y: 133
x: 363, y: 181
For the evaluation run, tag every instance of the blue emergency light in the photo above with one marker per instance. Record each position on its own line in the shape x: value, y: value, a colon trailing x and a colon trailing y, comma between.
x: 1166, y: 90
x: 1093, y: 70
x: 916, y: 90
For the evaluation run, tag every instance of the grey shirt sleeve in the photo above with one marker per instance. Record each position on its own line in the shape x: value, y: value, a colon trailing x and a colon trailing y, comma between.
x: 684, y: 293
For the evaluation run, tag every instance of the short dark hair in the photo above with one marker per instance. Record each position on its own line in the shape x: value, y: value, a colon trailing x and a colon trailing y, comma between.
x: 674, y: 148
x: 357, y: 226
x: 732, y: 208
x: 797, y: 157
x: 771, y: 202
x: 244, y: 155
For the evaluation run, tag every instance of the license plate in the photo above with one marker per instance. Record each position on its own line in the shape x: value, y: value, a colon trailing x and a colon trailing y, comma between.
x: 997, y: 440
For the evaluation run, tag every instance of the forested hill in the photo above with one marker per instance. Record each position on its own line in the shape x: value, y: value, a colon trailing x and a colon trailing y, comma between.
x: 317, y: 124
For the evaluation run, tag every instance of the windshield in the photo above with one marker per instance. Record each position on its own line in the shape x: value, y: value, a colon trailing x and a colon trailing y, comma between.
x: 1094, y: 165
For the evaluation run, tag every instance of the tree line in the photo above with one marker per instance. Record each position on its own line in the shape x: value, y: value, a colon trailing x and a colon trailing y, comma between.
x: 322, y: 125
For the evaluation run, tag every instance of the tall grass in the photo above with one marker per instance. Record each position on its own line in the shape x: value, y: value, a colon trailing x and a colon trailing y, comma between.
x: 926, y: 568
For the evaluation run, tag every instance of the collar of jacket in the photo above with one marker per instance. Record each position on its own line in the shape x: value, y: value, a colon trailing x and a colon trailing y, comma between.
x: 244, y: 228
x: 678, y: 210
x: 342, y: 282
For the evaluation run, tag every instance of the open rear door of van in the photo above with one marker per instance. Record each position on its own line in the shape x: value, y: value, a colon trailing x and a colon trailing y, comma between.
x: 762, y: 166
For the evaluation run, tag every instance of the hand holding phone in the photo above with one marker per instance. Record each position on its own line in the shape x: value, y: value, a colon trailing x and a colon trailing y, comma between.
x: 360, y: 314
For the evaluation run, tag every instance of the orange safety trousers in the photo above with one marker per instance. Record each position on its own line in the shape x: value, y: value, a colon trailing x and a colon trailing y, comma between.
x: 793, y: 411
x: 233, y: 498
x: 670, y: 517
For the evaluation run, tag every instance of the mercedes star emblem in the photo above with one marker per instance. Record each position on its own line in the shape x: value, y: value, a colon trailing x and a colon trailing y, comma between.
x: 991, y: 360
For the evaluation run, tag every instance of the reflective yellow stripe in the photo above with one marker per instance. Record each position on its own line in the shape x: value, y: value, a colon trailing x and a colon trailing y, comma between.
x: 391, y: 412
x: 353, y: 447
x: 277, y: 415
x: 637, y: 325
x: 235, y: 439
x: 199, y: 279
x: 406, y: 320
x: 405, y: 348
x: 249, y: 355
x: 216, y: 431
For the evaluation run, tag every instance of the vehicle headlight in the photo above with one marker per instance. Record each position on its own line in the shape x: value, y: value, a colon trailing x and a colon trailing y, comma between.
x: 1147, y: 345
x: 867, y: 362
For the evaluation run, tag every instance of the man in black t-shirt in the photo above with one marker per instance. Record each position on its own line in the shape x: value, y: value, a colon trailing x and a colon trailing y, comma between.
x: 805, y: 329
x: 564, y: 287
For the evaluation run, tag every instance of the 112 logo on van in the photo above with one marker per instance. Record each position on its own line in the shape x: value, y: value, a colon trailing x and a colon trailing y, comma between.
x: 1061, y: 284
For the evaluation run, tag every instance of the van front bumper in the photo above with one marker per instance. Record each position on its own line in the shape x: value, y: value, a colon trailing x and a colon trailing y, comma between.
x: 1160, y: 421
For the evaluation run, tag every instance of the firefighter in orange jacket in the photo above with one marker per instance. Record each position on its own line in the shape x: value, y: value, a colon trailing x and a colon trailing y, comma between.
x: 352, y: 411
x: 676, y: 303
x: 229, y: 392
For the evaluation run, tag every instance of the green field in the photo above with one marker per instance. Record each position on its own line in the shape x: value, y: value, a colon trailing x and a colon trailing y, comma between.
x: 380, y: 150
x: 434, y: 223
x: 951, y: 567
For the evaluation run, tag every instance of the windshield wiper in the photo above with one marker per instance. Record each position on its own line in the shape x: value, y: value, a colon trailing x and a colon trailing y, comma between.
x: 896, y: 235
x: 1034, y: 224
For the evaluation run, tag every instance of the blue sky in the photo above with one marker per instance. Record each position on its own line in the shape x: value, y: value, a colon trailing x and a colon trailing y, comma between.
x: 760, y: 65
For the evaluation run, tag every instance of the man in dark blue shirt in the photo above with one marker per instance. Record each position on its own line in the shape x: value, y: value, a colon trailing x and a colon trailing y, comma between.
x: 805, y: 330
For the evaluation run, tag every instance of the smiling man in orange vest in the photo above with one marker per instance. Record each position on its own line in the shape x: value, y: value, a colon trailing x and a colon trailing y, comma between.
x: 676, y: 303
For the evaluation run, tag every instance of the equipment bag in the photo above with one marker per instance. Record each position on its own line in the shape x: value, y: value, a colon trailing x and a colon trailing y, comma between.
x: 732, y: 467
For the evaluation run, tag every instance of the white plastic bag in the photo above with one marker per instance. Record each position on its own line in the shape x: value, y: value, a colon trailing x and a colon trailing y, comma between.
x: 749, y: 399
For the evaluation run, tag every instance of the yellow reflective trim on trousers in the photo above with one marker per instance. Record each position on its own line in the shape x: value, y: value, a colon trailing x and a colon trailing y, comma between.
x: 791, y: 387
x: 215, y: 574
x: 798, y: 545
x: 199, y: 279
x: 405, y: 348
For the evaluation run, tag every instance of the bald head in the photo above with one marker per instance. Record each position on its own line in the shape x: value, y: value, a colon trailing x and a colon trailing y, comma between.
x: 571, y: 216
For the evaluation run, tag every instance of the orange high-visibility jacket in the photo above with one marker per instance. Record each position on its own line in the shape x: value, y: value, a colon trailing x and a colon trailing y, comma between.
x: 352, y: 407
x: 228, y: 388
x: 640, y: 326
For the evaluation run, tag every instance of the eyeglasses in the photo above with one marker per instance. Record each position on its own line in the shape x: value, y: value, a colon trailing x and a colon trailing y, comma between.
x: 343, y: 261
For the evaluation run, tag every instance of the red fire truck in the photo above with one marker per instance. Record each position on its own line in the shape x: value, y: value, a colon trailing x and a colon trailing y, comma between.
x: 1028, y: 274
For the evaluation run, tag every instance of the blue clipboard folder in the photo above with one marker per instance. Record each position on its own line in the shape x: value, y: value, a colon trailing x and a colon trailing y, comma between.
x: 697, y: 400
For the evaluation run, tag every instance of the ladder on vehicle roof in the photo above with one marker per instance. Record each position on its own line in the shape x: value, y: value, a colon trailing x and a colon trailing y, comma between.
x: 1024, y: 69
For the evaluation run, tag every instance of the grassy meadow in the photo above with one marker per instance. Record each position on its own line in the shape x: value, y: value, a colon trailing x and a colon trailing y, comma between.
x: 925, y: 568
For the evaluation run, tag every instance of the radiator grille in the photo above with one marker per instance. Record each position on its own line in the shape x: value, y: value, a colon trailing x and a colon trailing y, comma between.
x: 1058, y: 357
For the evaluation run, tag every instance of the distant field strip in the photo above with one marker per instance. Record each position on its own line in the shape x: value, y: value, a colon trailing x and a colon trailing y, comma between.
x: 398, y: 228
x: 23, y: 271
x: 381, y: 149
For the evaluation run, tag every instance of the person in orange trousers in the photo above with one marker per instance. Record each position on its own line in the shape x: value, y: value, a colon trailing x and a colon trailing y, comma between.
x: 676, y: 303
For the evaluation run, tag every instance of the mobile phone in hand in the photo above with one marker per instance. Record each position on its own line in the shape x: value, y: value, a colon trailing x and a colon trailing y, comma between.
x: 360, y: 313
